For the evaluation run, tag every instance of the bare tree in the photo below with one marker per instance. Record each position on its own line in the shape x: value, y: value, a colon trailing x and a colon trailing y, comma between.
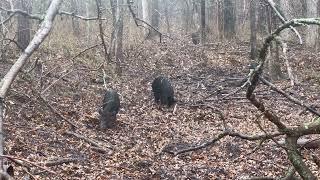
x: 6, y: 82
x: 115, y: 49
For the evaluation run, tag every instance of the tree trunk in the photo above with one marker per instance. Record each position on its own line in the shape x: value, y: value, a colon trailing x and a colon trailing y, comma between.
x: 23, y: 23
x: 155, y: 18
x: 311, y: 36
x: 203, y: 21
x: 88, y: 24
x: 145, y: 13
x: 274, y: 61
x: 253, y: 30
x: 119, y: 37
x: 75, y: 21
x: 167, y: 16
x: 39, y: 37
x: 115, y: 48
x: 220, y: 20
x: 187, y: 16
x: 229, y: 19
x: 262, y: 19
x: 101, y: 32
x: 318, y: 12
x: 284, y: 8
x: 2, y: 115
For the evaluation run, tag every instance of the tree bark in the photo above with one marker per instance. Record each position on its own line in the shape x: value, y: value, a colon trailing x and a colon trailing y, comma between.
x: 262, y: 19
x: 155, y: 18
x: 229, y: 19
x: 318, y: 39
x: 39, y: 37
x: 220, y: 20
x: 284, y: 8
x: 203, y: 21
x: 101, y: 32
x: 253, y: 30
x: 311, y: 36
x: 186, y: 16
x: 145, y: 12
x: 296, y: 159
x: 75, y: 21
x: 167, y: 16
x: 119, y: 37
x: 23, y: 23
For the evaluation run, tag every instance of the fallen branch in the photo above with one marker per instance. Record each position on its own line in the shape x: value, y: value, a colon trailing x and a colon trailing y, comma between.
x: 52, y: 109
x: 176, y: 151
x: 304, y: 143
x: 90, y: 141
x: 60, y: 161
x: 80, y: 17
x: 292, y: 99
x: 14, y: 159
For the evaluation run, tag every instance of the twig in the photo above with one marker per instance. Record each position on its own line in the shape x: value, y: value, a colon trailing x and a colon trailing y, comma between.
x: 282, y: 18
x: 80, y: 17
x: 15, y: 42
x: 53, y: 110
x: 99, y: 12
x: 60, y: 161
x: 137, y: 19
x: 83, y: 51
x: 90, y: 141
x: 292, y: 99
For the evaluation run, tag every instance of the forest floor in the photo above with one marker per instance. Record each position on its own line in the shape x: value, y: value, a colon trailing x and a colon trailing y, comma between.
x: 134, y: 148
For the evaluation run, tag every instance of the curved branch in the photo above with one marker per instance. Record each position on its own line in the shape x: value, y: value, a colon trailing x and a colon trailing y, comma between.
x: 172, y: 150
x: 137, y: 19
x: 282, y: 18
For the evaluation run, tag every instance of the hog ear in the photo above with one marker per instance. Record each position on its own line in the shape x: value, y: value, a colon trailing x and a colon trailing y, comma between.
x: 10, y: 171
